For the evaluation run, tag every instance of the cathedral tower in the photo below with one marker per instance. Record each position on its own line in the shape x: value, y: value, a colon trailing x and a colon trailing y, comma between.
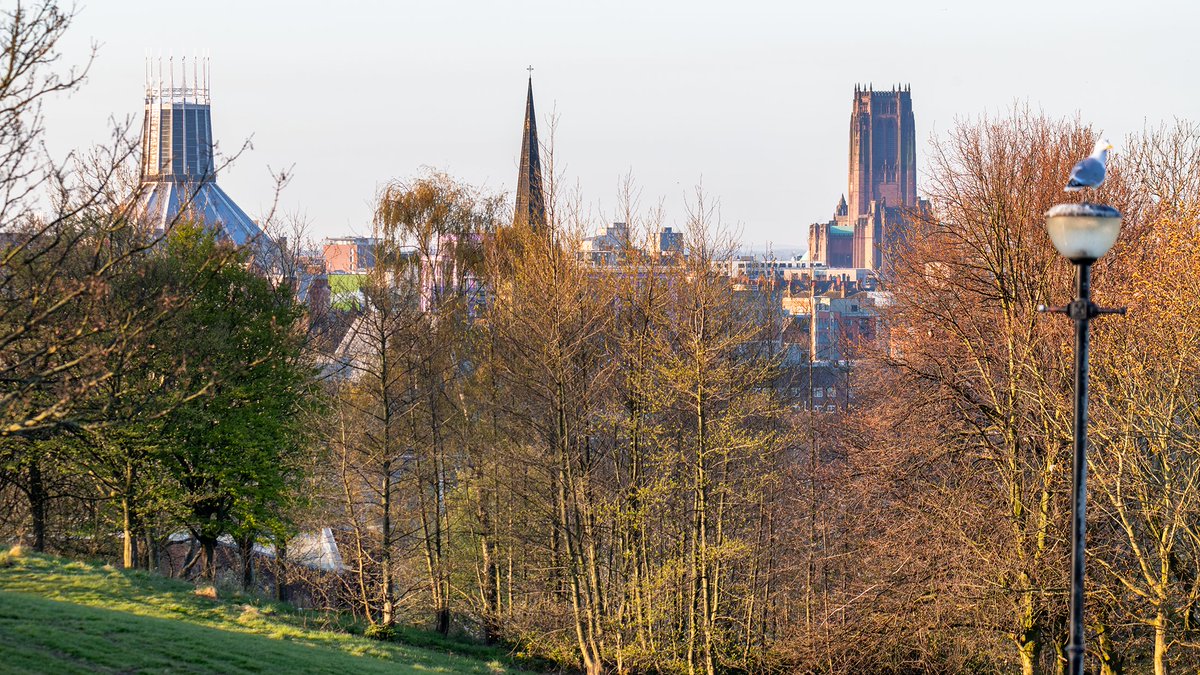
x: 883, y: 150
x: 882, y: 193
x: 178, y: 172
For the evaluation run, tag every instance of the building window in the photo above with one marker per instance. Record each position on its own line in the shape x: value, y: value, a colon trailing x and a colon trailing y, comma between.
x: 818, y: 392
x: 831, y: 408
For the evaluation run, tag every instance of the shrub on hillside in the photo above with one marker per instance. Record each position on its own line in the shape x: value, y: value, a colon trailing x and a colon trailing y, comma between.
x: 380, y: 632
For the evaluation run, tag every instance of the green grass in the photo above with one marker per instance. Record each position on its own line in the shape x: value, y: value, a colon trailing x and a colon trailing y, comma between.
x: 74, y: 617
x: 343, y: 290
x: 345, y: 283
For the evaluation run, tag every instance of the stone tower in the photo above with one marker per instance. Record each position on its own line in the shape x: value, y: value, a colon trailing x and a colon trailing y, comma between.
x: 531, y: 205
x: 882, y: 193
x: 883, y: 150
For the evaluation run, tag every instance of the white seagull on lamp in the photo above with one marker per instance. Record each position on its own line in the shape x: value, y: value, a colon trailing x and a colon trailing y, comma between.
x: 1089, y: 172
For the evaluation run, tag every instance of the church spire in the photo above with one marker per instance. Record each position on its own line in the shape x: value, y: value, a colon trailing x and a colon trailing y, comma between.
x: 531, y: 206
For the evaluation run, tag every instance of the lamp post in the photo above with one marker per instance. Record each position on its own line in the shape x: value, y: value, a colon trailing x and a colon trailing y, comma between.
x: 1082, y: 233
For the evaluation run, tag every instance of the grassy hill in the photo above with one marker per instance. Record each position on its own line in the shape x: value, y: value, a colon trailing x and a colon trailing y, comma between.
x: 74, y: 617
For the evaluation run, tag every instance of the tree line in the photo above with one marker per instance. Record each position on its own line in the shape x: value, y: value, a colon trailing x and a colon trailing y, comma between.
x: 613, y: 465
x: 616, y: 468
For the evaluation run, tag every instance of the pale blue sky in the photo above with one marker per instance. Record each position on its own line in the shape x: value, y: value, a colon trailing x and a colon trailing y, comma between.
x: 751, y: 97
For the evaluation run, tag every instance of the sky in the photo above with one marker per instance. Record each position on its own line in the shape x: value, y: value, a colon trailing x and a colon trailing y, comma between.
x: 749, y: 99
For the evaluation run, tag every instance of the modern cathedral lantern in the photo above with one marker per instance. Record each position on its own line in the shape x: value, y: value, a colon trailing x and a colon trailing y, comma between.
x: 179, y: 167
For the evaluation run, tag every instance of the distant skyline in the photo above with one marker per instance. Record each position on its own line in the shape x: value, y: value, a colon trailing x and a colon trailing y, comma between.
x: 751, y: 99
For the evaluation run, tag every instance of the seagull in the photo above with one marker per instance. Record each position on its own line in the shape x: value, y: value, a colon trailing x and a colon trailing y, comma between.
x: 1089, y: 172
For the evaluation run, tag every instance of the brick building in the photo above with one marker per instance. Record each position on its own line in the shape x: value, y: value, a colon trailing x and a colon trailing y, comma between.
x: 349, y: 255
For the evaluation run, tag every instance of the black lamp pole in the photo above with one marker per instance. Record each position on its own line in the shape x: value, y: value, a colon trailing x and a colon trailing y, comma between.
x: 1081, y: 310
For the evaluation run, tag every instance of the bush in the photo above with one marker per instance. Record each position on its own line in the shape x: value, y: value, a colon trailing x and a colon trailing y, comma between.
x: 380, y: 632
x: 9, y: 558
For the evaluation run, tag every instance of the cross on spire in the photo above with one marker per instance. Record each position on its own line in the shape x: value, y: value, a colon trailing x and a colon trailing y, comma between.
x: 530, y: 69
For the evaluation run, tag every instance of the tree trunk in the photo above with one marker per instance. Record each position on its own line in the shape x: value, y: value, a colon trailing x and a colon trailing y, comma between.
x: 568, y: 519
x: 385, y: 558
x: 208, y: 570
x: 489, y: 580
x: 360, y: 555
x: 431, y: 527
x: 705, y: 600
x: 130, y: 549
x: 1160, y: 643
x: 281, y: 586
x: 246, y: 548
x: 441, y: 526
x: 1111, y: 662
x: 1029, y: 639
x: 151, y: 550
x: 189, y: 560
x: 37, y: 506
x: 1028, y: 650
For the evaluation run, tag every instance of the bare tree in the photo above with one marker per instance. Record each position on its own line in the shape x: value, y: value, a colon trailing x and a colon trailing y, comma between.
x: 978, y: 382
x: 1147, y: 469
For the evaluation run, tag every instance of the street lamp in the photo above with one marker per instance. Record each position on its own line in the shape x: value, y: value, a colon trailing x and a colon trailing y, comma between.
x: 1082, y: 233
